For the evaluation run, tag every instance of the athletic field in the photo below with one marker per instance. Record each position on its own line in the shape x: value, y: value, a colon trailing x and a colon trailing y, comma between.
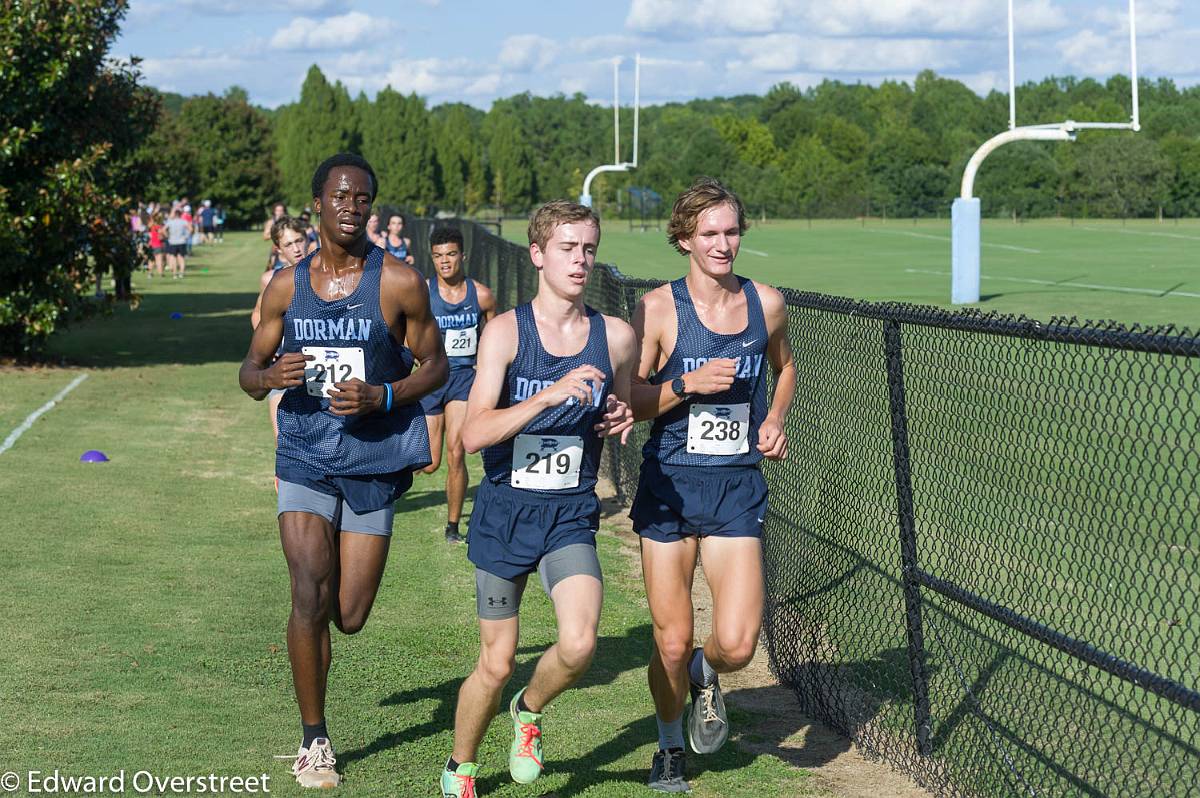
x: 1141, y: 271
x: 146, y: 597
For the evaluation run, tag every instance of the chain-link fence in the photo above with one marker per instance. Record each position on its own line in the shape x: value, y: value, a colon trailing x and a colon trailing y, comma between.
x: 983, y: 551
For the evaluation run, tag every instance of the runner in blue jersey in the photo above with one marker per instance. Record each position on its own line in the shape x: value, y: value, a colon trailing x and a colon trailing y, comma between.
x: 287, y: 235
x: 461, y: 306
x: 350, y: 431
x: 552, y: 383
x: 706, y: 342
x: 395, y: 242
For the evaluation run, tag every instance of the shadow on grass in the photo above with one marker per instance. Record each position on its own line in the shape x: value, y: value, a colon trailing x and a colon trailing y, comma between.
x: 762, y: 718
x: 615, y: 655
x: 213, y: 328
x: 424, y: 499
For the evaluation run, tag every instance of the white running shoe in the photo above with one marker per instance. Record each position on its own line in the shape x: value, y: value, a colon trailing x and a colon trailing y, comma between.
x: 314, y: 766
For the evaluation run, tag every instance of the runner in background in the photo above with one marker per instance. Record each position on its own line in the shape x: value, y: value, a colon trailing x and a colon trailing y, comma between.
x: 277, y: 212
x: 396, y: 242
x: 288, y: 236
x: 461, y: 306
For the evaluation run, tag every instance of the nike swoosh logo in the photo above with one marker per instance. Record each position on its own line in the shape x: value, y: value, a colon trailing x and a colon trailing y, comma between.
x: 353, y: 307
x: 748, y: 343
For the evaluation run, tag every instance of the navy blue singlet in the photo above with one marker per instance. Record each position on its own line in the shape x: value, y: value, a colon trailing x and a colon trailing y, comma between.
x: 312, y: 440
x: 400, y: 251
x: 534, y: 369
x: 695, y: 345
x: 456, y: 316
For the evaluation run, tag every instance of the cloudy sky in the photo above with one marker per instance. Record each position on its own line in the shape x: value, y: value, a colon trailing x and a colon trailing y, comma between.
x: 477, y: 50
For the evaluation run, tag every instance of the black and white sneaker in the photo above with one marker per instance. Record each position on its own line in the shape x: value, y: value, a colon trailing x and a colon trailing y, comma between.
x: 708, y: 725
x: 666, y: 771
x: 452, y: 535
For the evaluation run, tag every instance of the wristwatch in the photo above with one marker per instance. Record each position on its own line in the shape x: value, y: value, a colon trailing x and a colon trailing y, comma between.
x: 678, y: 389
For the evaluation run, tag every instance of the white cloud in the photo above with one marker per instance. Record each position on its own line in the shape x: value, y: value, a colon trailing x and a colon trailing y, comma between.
x: 218, y: 69
x: 435, y: 78
x: 526, y: 52
x: 1092, y: 54
x: 330, y: 33
x: 1038, y: 16
x: 749, y: 16
x: 611, y: 44
x: 785, y: 52
x: 239, y: 7
x: 1153, y: 17
x: 1103, y: 53
x: 922, y: 18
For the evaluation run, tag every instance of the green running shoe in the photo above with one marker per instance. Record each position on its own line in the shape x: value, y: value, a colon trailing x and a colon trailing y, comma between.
x: 525, y: 756
x: 460, y: 783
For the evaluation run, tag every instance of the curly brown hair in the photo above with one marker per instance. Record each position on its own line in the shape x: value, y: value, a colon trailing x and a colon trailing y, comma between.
x: 705, y: 193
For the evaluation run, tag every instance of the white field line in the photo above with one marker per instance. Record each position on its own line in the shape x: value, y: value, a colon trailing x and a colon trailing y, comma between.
x: 947, y: 238
x: 1139, y: 233
x: 1069, y: 284
x: 32, y: 417
x: 757, y: 252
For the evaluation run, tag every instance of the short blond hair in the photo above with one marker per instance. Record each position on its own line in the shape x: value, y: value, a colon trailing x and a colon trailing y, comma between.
x: 556, y: 212
x: 704, y: 193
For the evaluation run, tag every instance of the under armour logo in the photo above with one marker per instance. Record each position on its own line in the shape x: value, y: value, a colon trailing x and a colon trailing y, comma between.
x: 497, y: 602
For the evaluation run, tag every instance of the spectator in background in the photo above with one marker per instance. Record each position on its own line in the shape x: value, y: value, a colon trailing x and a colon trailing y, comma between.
x: 277, y: 213
x: 179, y: 232
x: 158, y: 246
x: 219, y: 223
x: 395, y: 242
x: 207, y: 225
x: 373, y: 234
x: 310, y: 232
x: 186, y: 215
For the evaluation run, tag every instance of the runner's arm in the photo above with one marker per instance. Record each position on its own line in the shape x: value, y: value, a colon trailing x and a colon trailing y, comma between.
x: 256, y: 314
x: 486, y: 424
x: 258, y: 375
x: 772, y: 439
x: 487, y: 301
x: 622, y: 352
x: 648, y: 400
x: 409, y: 291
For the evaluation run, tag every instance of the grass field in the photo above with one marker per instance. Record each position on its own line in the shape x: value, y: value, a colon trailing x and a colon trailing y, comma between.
x: 1141, y: 271
x: 1045, y: 477
x: 146, y: 598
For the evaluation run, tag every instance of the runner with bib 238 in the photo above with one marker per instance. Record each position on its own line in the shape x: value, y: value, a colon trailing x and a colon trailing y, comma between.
x: 706, y: 340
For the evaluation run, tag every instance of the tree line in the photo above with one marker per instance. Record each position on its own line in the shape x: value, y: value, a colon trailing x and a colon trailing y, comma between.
x: 833, y: 150
x: 85, y: 139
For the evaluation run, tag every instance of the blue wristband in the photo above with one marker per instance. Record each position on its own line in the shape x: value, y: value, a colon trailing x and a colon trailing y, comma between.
x: 387, y: 407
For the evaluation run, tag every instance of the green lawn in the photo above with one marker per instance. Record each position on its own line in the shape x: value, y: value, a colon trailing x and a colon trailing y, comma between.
x: 1054, y: 480
x: 1140, y: 271
x: 146, y: 598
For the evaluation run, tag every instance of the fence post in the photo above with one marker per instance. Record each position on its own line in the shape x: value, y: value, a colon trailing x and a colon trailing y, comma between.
x: 908, y: 534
